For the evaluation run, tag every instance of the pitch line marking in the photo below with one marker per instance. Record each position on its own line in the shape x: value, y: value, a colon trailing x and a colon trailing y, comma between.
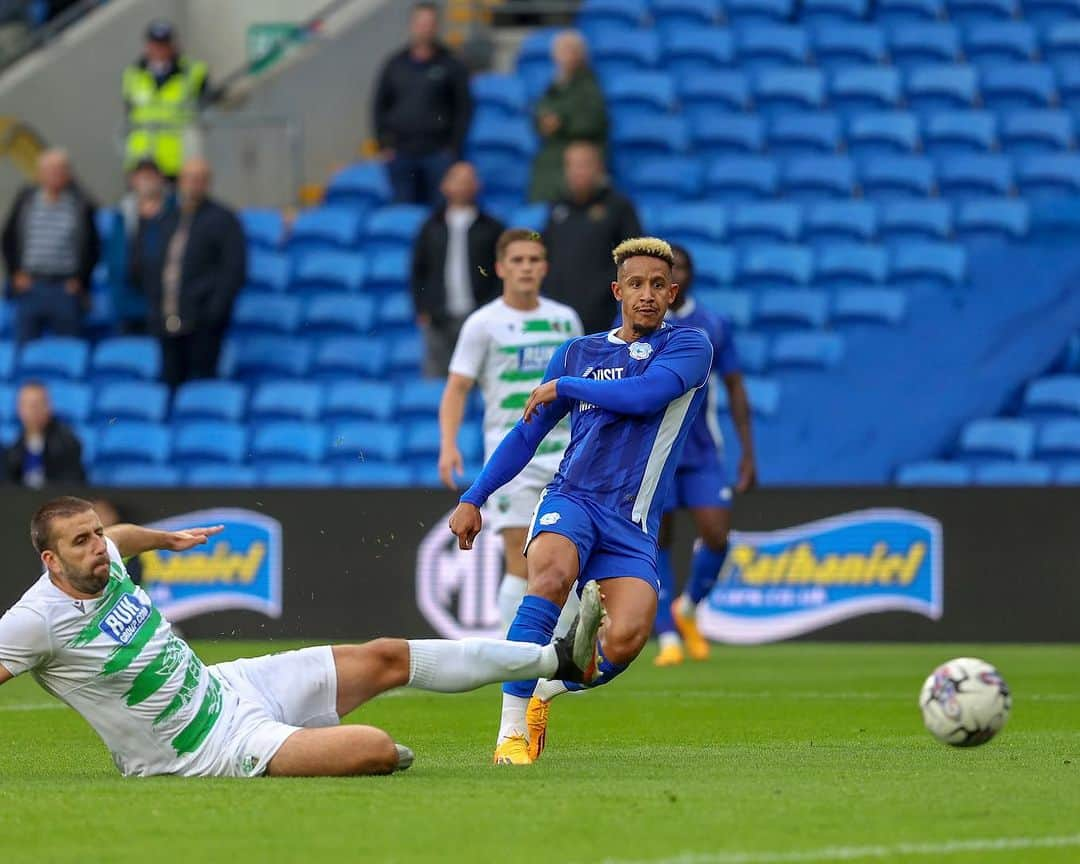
x: 38, y: 706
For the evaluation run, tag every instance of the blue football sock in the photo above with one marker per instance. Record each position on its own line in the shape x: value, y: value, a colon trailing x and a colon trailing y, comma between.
x: 534, y: 622
x: 664, y: 622
x: 704, y: 571
x: 608, y: 670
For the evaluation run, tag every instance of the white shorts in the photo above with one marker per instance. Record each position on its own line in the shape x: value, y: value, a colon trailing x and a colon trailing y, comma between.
x: 265, y: 700
x: 512, y: 505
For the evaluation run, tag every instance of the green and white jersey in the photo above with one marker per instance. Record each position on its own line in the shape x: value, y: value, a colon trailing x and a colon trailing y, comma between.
x: 116, y: 661
x: 506, y: 351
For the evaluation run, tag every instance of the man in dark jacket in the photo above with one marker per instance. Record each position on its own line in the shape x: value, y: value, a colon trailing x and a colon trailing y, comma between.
x: 47, y: 453
x: 588, y: 222
x: 422, y: 110
x: 192, y: 278
x: 453, y: 267
x: 50, y: 248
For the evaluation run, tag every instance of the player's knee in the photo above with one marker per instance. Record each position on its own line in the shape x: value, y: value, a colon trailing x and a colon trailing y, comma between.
x: 550, y: 578
x: 622, y: 642
x: 391, y: 658
x: 715, y: 538
x: 374, y: 753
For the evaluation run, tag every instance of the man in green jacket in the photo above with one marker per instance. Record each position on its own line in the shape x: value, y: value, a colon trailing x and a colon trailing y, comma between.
x: 571, y: 109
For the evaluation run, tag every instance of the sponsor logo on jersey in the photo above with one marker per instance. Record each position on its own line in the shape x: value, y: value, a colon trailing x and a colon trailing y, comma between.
x: 123, y: 621
x: 640, y: 350
x: 550, y: 518
x: 240, y: 568
x: 778, y: 584
x: 595, y: 374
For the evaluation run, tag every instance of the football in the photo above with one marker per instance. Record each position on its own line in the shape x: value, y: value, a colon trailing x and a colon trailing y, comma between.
x: 965, y: 702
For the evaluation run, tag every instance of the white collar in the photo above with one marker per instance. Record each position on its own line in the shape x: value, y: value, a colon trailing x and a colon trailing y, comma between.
x: 615, y: 339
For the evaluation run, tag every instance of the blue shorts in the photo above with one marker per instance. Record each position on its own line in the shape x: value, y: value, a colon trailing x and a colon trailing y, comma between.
x: 609, y: 545
x: 700, y: 486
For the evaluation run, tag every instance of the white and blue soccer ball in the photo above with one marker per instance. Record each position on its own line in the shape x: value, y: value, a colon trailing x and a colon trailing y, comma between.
x: 965, y: 702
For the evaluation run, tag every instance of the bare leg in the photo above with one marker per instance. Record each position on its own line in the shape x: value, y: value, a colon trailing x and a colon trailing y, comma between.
x: 336, y: 751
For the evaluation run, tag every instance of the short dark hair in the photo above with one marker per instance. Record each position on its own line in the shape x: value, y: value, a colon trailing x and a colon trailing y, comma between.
x: 684, y: 253
x: 58, y: 508
x: 515, y: 235
x: 424, y: 6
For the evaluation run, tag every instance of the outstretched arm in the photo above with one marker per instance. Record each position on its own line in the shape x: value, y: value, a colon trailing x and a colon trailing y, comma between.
x: 134, y: 539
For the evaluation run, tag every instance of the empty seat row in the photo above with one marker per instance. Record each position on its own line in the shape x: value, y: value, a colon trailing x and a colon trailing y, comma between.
x: 1000, y: 438
x: 259, y: 357
x: 118, y: 358
x: 781, y: 309
x: 322, y: 314
x: 342, y: 223
x: 323, y: 266
x: 943, y: 473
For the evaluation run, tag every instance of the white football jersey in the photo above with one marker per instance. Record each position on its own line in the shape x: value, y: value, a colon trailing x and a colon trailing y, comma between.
x: 116, y: 661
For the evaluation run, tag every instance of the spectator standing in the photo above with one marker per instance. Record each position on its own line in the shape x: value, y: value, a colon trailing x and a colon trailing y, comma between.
x: 162, y: 92
x: 571, y: 109
x: 46, y: 453
x: 50, y: 246
x: 588, y: 222
x: 191, y: 277
x: 453, y: 266
x: 422, y: 110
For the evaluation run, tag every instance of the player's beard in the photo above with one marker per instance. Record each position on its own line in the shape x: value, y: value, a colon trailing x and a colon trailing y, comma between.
x: 88, y: 581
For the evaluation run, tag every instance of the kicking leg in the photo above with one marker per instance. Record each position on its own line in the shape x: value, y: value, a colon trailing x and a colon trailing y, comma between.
x: 713, y: 524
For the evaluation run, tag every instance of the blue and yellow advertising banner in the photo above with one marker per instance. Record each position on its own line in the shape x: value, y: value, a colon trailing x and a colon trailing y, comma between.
x: 779, y: 584
x: 240, y: 568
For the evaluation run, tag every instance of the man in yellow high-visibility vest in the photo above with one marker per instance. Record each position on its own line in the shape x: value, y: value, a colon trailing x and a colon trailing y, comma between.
x: 162, y: 91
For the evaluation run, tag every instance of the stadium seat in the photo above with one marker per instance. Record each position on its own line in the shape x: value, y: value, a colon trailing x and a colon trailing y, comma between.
x: 389, y: 271
x: 897, y: 12
x: 322, y: 226
x: 1053, y: 396
x: 394, y: 226
x: 934, y: 474
x: 694, y: 221
x: 917, y: 44
x: 714, y: 266
x: 778, y: 91
x: 262, y: 314
x: 131, y: 400
x: 336, y: 314
x: 7, y: 360
x: 127, y: 357
x: 1061, y: 43
x: 1068, y: 474
x: 664, y: 180
x: 802, y: 133
x: 726, y: 134
x: 1058, y: 440
x: 293, y: 475
x: 753, y: 12
x: 420, y: 397
x: 1027, y: 132
x: 890, y: 177
x: 975, y: 176
x: 780, y: 309
x: 366, y: 440
x: 396, y: 310
x: 761, y: 47
x: 286, y: 400
x: 714, y: 91
x: 847, y: 265
x: 1049, y: 175
x: 996, y: 438
x: 652, y: 91
x: 360, y: 400
x: 959, y: 133
x: 362, y: 186
x: 769, y: 222
x: 146, y: 476
x: 375, y: 475
x: 54, y: 357
x: 806, y: 351
x: 534, y: 216
x: 406, y: 353
x: 536, y: 46
x: 503, y: 92
x: 811, y: 178
x: 736, y: 305
x: 422, y: 439
x: 1012, y: 474
x: 224, y: 476
x: 288, y: 441
x: 837, y: 46
x: 882, y: 133
x: 635, y: 136
x: 1068, y: 360
x: 764, y: 395
x: 905, y: 220
x: 741, y: 178
x: 752, y: 350
x: 1047, y: 13
x: 7, y: 403
x: 325, y: 270
x: 612, y: 13
x: 768, y: 265
x: 132, y: 441
x: 943, y: 264
x: 350, y: 356
x: 208, y: 441
x: 830, y: 12
x: 502, y: 175
x: 998, y: 42
x: 1016, y: 86
x: 490, y: 134
x: 840, y: 221
x: 858, y: 306
x: 691, y: 51
x: 267, y: 271
x: 941, y: 87
x: 71, y: 401
x: 614, y: 54
x: 865, y: 88
x: 265, y: 357
x: 677, y: 15
x: 210, y: 400
x: 995, y: 217
x: 262, y: 227
x: 972, y: 12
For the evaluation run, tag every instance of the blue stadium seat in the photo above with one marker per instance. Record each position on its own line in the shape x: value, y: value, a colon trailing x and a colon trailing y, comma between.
x: 735, y: 305
x: 775, y: 265
x: 996, y: 438
x: 612, y: 13
x: 267, y: 271
x: 533, y: 216
x: 1068, y: 360
x: 714, y: 266
x: 837, y: 46
x: 934, y: 474
x: 328, y: 270
x: 777, y: 91
x: 366, y: 440
x: 714, y: 91
x: 882, y: 133
x: 753, y: 12
x: 635, y: 136
x: 502, y: 175
x: 996, y: 217
x: 695, y: 221
x: 663, y: 180
x: 614, y: 54
x: 54, y: 357
x: 262, y: 227
x: 396, y: 310
x: 362, y: 186
x: 375, y: 475
x: 806, y: 351
x: 1016, y: 86
x: 9, y: 434
x: 826, y: 12
x: 768, y: 222
x: 1027, y: 132
x: 1053, y: 396
x: 145, y: 476
x: 394, y: 226
x: 207, y: 441
x: 764, y: 395
x: 906, y: 220
x: 222, y: 476
x: 780, y: 310
x: 127, y: 357
x: 497, y: 135
x: 133, y: 441
x: 1049, y: 175
x: 298, y: 476
x: 958, y: 133
x: 7, y: 404
x: 833, y: 221
x: 7, y: 359
x: 726, y: 134
x: 422, y: 439
x: 1013, y: 474
x: 689, y: 51
x: 406, y: 353
x: 972, y: 12
x: 1058, y: 440
x: 917, y: 44
x: 996, y: 42
x: 752, y: 349
x: 858, y: 306
x: 360, y: 400
x: 389, y: 271
x: 505, y: 93
x: 890, y: 177
x: 896, y: 12
x: 1061, y: 43
x: 975, y: 176
x: 741, y: 178
x: 802, y: 133
x: 471, y: 442
x: 942, y: 87
x: 71, y: 401
x: 811, y: 178
x: 265, y: 357
x: 336, y: 314
x: 322, y: 226
x: 865, y: 88
x: 536, y: 46
x: 420, y: 397
x: 760, y: 47
x: 1048, y: 13
x: 288, y: 441
x: 105, y: 220
x: 210, y: 400
x: 848, y: 265
x: 131, y: 400
x: 355, y: 356
x: 942, y: 264
x: 261, y: 314
x: 653, y: 91
x: 1068, y: 474
x: 677, y: 15
x: 286, y: 400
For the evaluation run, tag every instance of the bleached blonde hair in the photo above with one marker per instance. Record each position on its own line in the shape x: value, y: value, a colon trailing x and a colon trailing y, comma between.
x: 649, y: 247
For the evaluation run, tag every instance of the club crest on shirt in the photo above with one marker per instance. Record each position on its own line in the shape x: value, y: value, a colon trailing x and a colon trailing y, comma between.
x: 550, y: 518
x: 125, y: 618
x: 640, y: 350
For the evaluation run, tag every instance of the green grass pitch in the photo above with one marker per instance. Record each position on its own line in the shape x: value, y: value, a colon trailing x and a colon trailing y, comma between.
x: 796, y: 752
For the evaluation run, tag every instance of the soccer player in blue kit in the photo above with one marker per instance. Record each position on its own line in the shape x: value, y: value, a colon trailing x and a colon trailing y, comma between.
x: 632, y: 395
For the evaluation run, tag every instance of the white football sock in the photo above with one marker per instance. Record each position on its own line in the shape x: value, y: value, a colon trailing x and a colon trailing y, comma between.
x: 569, y: 612
x: 453, y: 666
x: 511, y: 590
x: 512, y: 721
x: 669, y: 639
x: 547, y: 690
x: 687, y: 607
